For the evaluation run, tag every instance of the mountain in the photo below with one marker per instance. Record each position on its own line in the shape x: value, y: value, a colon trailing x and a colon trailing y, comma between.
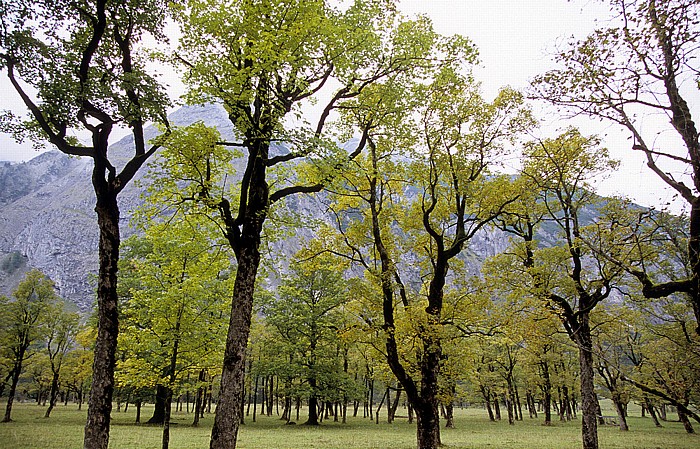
x: 47, y: 218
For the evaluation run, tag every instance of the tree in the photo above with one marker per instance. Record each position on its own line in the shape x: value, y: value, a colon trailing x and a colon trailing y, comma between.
x: 306, y: 315
x: 61, y: 328
x: 263, y: 61
x: 569, y: 277
x: 452, y: 137
x: 611, y: 345
x: 664, y: 353
x: 76, y: 67
x: 78, y: 365
x: 173, y: 317
x: 23, y: 321
x: 642, y: 66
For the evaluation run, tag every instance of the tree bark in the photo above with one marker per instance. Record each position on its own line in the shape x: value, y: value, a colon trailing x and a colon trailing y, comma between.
x: 589, y: 422
x: 100, y: 398
x: 228, y: 411
x: 166, y: 419
x: 138, y: 404
x: 428, y: 426
x: 394, y: 406
x: 496, y: 407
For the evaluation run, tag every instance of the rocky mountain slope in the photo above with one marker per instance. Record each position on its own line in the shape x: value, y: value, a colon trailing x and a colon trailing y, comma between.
x: 47, y: 217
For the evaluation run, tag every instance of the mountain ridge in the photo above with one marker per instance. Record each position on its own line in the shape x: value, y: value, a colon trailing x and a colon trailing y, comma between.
x: 47, y: 218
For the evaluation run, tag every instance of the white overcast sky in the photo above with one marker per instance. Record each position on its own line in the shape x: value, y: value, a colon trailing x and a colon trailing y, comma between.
x: 515, y: 40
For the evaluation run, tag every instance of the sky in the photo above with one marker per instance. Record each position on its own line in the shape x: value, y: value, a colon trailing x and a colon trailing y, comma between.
x: 516, y: 39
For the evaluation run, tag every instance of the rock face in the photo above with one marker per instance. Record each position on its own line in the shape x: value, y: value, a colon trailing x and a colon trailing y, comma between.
x: 47, y: 213
x: 47, y: 218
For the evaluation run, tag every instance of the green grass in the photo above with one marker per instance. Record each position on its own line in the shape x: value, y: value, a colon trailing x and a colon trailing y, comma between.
x: 64, y: 430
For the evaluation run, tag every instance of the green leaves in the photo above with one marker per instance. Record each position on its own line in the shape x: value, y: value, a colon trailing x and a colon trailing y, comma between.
x: 176, y: 305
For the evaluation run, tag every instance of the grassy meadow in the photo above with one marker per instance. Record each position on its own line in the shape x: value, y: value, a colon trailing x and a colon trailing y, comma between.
x: 64, y: 430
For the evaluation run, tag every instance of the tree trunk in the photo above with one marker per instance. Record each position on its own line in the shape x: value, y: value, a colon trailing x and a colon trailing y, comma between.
x: 496, y: 407
x: 159, y: 406
x: 199, y: 399
x: 138, y: 412
x: 100, y: 398
x: 450, y: 415
x: 652, y: 411
x: 313, y: 405
x: 620, y: 408
x: 394, y: 405
x: 13, y: 388
x: 255, y: 397
x: 567, y: 403
x: 228, y: 411
x: 589, y: 422
x: 487, y: 400
x: 682, y: 417
x: 166, y: 419
x: 370, y: 397
x: 428, y: 425
x: 270, y: 395
x: 53, y: 394
x: 379, y: 406
x: 509, y: 406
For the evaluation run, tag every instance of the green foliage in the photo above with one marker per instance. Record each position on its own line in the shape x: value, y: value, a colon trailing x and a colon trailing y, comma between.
x: 305, y: 322
x: 25, y: 316
x: 46, y: 45
x: 12, y: 262
x: 174, y: 312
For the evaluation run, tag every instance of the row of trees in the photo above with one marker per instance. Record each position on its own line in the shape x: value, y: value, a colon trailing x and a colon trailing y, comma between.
x: 402, y: 89
x: 38, y: 327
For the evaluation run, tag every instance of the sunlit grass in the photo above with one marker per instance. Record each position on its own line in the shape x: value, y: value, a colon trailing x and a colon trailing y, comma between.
x: 64, y: 430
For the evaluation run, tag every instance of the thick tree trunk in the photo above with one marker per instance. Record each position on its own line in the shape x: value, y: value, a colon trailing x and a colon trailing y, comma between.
x: 138, y: 412
x: 589, y: 422
x: 428, y: 425
x: 228, y: 411
x: 100, y: 398
x: 159, y: 406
